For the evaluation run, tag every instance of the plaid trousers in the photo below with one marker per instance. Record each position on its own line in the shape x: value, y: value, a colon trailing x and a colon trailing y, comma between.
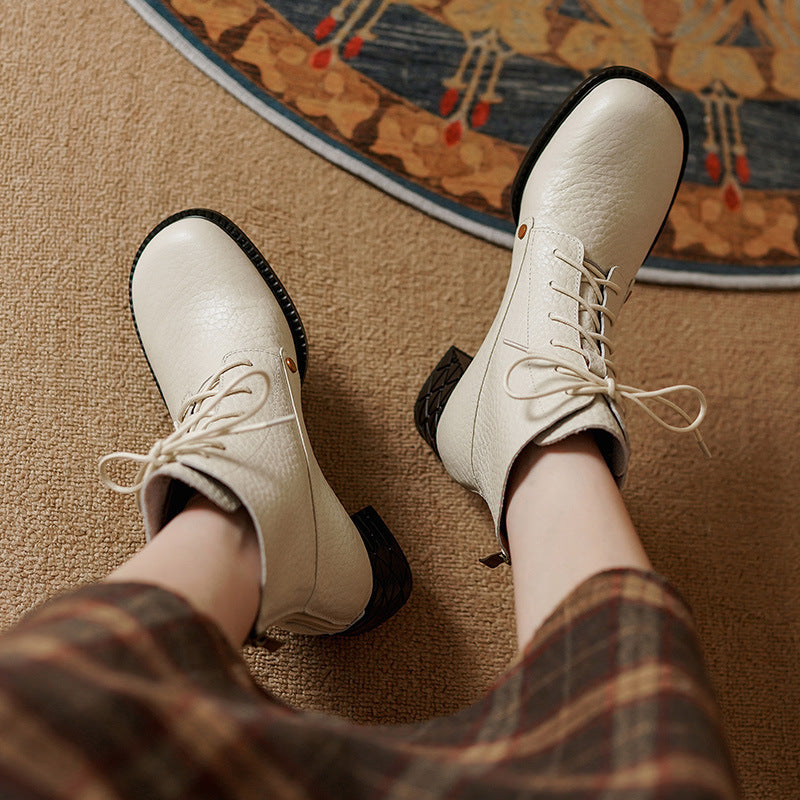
x: 123, y: 691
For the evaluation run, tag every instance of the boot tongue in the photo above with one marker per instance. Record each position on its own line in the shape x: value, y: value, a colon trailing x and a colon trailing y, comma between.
x: 589, y: 346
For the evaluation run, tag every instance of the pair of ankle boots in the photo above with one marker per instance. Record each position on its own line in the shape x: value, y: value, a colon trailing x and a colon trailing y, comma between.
x: 228, y: 351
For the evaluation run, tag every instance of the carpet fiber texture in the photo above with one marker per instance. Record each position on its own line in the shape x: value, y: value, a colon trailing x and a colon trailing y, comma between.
x: 107, y: 129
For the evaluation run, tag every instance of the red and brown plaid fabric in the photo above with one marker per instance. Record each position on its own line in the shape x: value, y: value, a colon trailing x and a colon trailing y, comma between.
x: 121, y: 690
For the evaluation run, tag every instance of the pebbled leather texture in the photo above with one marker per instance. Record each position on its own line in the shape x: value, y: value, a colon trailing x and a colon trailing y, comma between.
x: 200, y: 305
x: 556, y: 121
x: 255, y: 257
x: 600, y: 189
x: 610, y: 172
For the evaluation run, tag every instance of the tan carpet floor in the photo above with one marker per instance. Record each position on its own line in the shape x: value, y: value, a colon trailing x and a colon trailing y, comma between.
x: 105, y: 129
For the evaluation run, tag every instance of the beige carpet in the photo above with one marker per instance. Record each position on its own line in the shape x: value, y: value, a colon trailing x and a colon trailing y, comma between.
x: 105, y: 129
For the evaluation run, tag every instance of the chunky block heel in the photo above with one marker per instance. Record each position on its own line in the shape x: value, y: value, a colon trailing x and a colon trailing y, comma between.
x: 391, y: 575
x: 436, y: 392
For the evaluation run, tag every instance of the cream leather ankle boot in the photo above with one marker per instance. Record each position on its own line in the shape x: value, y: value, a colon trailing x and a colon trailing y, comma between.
x: 228, y: 352
x: 591, y: 197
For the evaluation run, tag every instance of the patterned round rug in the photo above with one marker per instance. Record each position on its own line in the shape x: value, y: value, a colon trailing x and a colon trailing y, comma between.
x: 436, y: 101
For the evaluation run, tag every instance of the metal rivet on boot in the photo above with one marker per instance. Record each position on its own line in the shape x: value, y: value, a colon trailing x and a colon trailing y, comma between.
x: 290, y: 365
x: 523, y: 229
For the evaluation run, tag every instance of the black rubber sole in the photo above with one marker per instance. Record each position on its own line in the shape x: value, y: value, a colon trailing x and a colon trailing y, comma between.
x: 436, y: 391
x: 258, y: 261
x: 569, y: 105
x: 391, y: 575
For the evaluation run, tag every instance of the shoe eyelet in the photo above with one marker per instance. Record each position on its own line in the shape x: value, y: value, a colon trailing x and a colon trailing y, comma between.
x: 290, y: 365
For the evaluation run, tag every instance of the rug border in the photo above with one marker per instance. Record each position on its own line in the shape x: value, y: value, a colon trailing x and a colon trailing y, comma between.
x: 660, y: 271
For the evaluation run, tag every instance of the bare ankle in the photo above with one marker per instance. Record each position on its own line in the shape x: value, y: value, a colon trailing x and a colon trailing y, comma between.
x: 531, y: 454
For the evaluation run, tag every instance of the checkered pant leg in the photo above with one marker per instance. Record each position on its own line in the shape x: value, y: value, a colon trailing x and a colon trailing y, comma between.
x: 123, y: 691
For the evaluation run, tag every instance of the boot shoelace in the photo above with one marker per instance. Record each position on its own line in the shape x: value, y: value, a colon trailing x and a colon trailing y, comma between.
x: 200, y: 427
x: 587, y: 382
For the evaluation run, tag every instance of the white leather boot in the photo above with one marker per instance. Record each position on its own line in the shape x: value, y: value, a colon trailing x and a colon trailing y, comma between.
x: 590, y: 198
x: 228, y: 352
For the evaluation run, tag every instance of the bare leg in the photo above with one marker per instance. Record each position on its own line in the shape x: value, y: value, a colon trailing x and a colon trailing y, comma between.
x: 566, y: 521
x: 208, y: 557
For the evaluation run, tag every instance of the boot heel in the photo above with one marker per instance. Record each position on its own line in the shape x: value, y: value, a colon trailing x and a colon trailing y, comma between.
x: 391, y: 575
x: 436, y: 392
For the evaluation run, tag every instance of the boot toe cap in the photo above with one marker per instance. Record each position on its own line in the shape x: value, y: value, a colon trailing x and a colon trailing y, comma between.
x: 609, y: 171
x: 196, y: 297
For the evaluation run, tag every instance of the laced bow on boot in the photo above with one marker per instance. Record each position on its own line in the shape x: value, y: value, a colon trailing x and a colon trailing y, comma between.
x: 594, y: 321
x: 200, y: 428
